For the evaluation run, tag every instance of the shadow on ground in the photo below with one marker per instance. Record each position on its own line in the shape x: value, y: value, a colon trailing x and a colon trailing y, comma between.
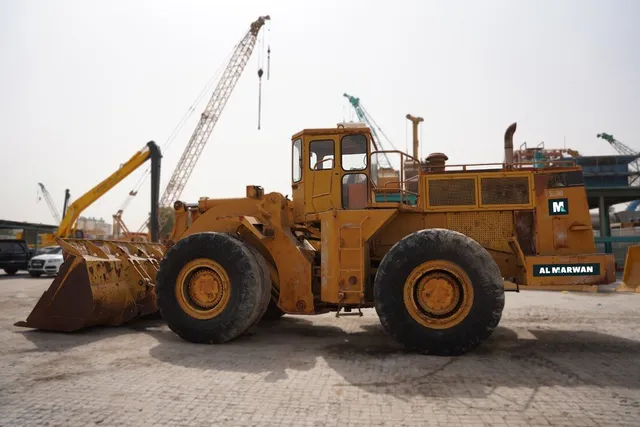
x: 51, y: 341
x: 371, y: 361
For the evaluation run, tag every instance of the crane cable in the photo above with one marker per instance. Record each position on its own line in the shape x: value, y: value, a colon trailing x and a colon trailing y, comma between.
x: 378, y: 127
x: 268, y: 38
x: 260, y: 73
x: 372, y: 122
x: 172, y: 136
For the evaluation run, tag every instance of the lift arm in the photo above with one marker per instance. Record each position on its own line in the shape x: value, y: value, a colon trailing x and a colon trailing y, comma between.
x: 150, y: 151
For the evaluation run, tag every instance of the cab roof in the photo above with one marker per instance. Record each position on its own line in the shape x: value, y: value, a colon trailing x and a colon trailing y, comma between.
x: 332, y: 131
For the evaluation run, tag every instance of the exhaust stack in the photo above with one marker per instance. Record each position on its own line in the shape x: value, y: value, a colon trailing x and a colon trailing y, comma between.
x: 508, y: 144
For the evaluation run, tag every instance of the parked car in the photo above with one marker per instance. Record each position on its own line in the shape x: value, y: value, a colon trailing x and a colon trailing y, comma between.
x: 14, y: 255
x: 47, y: 262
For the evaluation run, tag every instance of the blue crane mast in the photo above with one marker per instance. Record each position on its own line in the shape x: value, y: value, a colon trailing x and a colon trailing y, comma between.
x: 634, y: 165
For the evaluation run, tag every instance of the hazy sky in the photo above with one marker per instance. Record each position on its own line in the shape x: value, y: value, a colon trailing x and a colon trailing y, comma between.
x: 84, y: 84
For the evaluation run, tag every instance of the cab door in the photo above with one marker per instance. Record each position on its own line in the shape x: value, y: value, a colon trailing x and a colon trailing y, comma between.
x: 321, y: 166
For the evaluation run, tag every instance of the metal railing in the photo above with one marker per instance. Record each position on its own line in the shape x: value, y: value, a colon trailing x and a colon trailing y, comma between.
x: 505, y: 166
x: 405, y: 195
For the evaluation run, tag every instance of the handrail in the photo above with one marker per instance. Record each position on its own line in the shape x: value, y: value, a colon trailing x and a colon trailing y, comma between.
x: 516, y: 165
x: 402, y: 191
x: 395, y: 182
x: 384, y: 191
x: 465, y: 167
x: 321, y: 161
x: 402, y: 153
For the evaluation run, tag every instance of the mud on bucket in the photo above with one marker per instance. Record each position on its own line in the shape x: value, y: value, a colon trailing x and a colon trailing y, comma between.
x: 100, y: 283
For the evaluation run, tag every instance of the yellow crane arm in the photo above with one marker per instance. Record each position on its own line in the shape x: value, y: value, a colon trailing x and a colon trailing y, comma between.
x: 83, y: 202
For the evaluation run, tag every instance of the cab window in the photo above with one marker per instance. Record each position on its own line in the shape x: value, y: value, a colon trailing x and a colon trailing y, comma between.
x: 296, y: 158
x: 321, y: 154
x: 354, y: 152
x: 354, y: 191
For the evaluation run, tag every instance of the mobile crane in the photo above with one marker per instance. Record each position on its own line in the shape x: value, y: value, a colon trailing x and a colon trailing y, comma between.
x: 634, y: 165
x: 49, y: 200
x: 208, y: 119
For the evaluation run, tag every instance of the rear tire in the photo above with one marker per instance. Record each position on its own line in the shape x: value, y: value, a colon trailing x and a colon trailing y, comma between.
x: 210, y: 288
x: 11, y: 271
x: 439, y: 292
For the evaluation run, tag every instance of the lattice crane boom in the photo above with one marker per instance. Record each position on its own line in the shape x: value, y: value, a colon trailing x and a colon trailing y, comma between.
x: 211, y: 113
x: 366, y: 118
x: 619, y: 146
x: 627, y: 151
x: 49, y: 200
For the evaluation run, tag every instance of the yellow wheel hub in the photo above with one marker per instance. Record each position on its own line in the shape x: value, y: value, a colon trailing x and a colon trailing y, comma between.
x: 438, y: 294
x: 202, y: 288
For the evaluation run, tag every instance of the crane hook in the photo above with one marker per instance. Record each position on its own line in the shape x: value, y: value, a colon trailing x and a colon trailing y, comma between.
x: 260, y: 72
x: 268, y: 61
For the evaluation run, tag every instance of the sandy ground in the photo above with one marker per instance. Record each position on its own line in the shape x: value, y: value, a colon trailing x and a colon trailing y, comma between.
x: 566, y: 359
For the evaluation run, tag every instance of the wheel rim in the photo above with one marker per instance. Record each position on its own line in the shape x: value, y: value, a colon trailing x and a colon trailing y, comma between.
x: 438, y: 294
x: 203, y: 288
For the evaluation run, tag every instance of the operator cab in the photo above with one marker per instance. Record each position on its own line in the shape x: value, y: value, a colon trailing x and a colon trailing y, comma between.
x: 330, y: 169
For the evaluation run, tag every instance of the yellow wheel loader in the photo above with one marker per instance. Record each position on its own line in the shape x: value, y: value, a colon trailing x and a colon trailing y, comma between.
x: 431, y: 246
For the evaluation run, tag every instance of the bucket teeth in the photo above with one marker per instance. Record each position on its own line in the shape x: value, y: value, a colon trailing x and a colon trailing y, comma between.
x: 101, y: 282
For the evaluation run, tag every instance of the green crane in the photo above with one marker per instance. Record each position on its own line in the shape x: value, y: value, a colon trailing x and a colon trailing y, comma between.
x: 366, y: 118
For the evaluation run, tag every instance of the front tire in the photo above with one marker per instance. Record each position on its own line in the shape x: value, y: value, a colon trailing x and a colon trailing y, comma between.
x: 35, y: 274
x: 11, y: 271
x: 211, y: 287
x: 439, y: 292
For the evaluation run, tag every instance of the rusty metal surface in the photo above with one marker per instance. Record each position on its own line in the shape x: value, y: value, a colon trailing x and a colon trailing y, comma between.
x: 631, y: 274
x: 452, y: 192
x: 508, y: 143
x: 502, y: 191
x: 345, y: 236
x: 100, y: 283
x: 525, y: 231
x: 276, y: 241
x: 573, y: 271
x: 491, y: 229
x: 566, y: 234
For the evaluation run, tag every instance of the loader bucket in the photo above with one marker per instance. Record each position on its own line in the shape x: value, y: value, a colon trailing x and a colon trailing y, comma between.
x: 631, y: 274
x: 101, y: 282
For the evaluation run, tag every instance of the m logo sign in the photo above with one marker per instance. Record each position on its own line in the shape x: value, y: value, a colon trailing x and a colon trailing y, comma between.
x: 558, y: 206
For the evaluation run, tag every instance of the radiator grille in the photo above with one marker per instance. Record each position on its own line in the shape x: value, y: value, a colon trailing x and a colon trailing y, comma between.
x: 452, y: 192
x: 491, y: 229
x: 505, y: 191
